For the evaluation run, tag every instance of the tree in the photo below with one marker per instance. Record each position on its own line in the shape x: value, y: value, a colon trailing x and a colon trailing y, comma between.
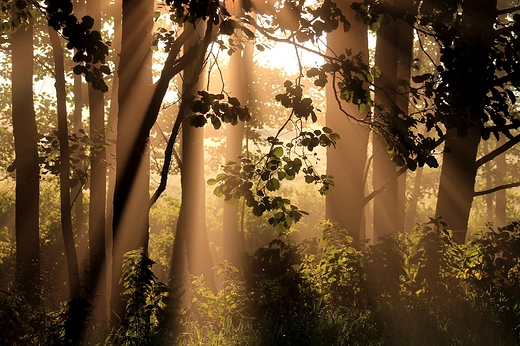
x: 346, y: 162
x: 26, y: 165
x: 64, y: 168
x: 77, y: 189
x: 98, y: 184
x: 191, y: 247
x: 456, y: 188
x: 386, y: 58
x: 130, y: 215
x: 235, y: 81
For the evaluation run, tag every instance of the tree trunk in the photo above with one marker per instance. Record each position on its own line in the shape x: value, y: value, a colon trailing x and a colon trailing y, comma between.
x: 236, y: 84
x: 131, y: 195
x: 457, y: 181
x: 64, y: 168
x: 404, y: 74
x: 488, y: 180
x: 346, y: 162
x: 27, y: 168
x: 98, y: 187
x: 110, y: 153
x: 459, y: 169
x: 500, y: 196
x: 191, y: 226
x: 386, y: 204
x: 77, y: 190
x: 411, y: 215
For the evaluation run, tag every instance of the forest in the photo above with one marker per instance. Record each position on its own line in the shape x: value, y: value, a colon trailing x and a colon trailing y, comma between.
x: 259, y: 172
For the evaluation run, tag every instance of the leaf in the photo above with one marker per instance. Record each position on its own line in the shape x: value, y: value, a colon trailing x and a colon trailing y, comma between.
x: 227, y: 27
x: 215, y: 121
x: 278, y: 152
x: 87, y: 22
x: 273, y: 184
x: 432, y: 162
x: 78, y: 69
x: 105, y: 69
x: 258, y: 210
x: 334, y: 137
x: 374, y: 26
x: 198, y: 121
x: 218, y: 191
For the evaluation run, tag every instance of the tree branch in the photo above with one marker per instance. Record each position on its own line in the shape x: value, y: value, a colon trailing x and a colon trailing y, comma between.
x: 496, y: 188
x: 508, y: 10
x: 383, y: 187
x: 402, y: 170
x: 195, y: 55
x: 500, y: 150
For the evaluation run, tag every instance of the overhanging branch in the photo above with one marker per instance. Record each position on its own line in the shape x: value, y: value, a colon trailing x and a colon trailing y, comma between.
x: 508, y: 10
x: 500, y: 150
x: 383, y: 187
x: 496, y: 188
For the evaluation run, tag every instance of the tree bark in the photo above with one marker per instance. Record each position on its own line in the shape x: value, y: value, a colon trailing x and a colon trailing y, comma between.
x: 191, y: 225
x: 64, y: 168
x: 27, y: 192
x: 411, y: 215
x: 386, y: 204
x: 457, y: 181
x: 98, y: 186
x: 488, y: 180
x: 459, y: 167
x: 131, y: 195
x: 77, y: 190
x: 346, y: 162
x: 404, y: 74
x: 500, y: 196
x: 111, y: 136
x: 236, y: 85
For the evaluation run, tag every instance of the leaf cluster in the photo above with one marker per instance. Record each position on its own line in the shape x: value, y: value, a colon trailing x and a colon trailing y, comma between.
x: 82, y: 149
x: 91, y: 51
x: 212, y: 107
x: 13, y: 14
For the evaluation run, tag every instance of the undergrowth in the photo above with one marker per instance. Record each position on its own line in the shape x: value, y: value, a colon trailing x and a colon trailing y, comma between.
x: 417, y: 288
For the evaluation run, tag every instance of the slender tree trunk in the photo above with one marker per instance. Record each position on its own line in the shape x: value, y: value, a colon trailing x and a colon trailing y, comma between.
x: 488, y: 180
x: 77, y: 190
x: 131, y: 192
x: 500, y: 196
x: 346, y: 162
x: 98, y: 186
x: 404, y: 71
x: 414, y: 200
x: 116, y: 12
x: 236, y: 84
x: 64, y: 169
x: 191, y: 226
x: 27, y: 168
x: 386, y: 204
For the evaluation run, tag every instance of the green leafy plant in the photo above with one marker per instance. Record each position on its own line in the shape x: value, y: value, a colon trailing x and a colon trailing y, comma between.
x: 144, y: 299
